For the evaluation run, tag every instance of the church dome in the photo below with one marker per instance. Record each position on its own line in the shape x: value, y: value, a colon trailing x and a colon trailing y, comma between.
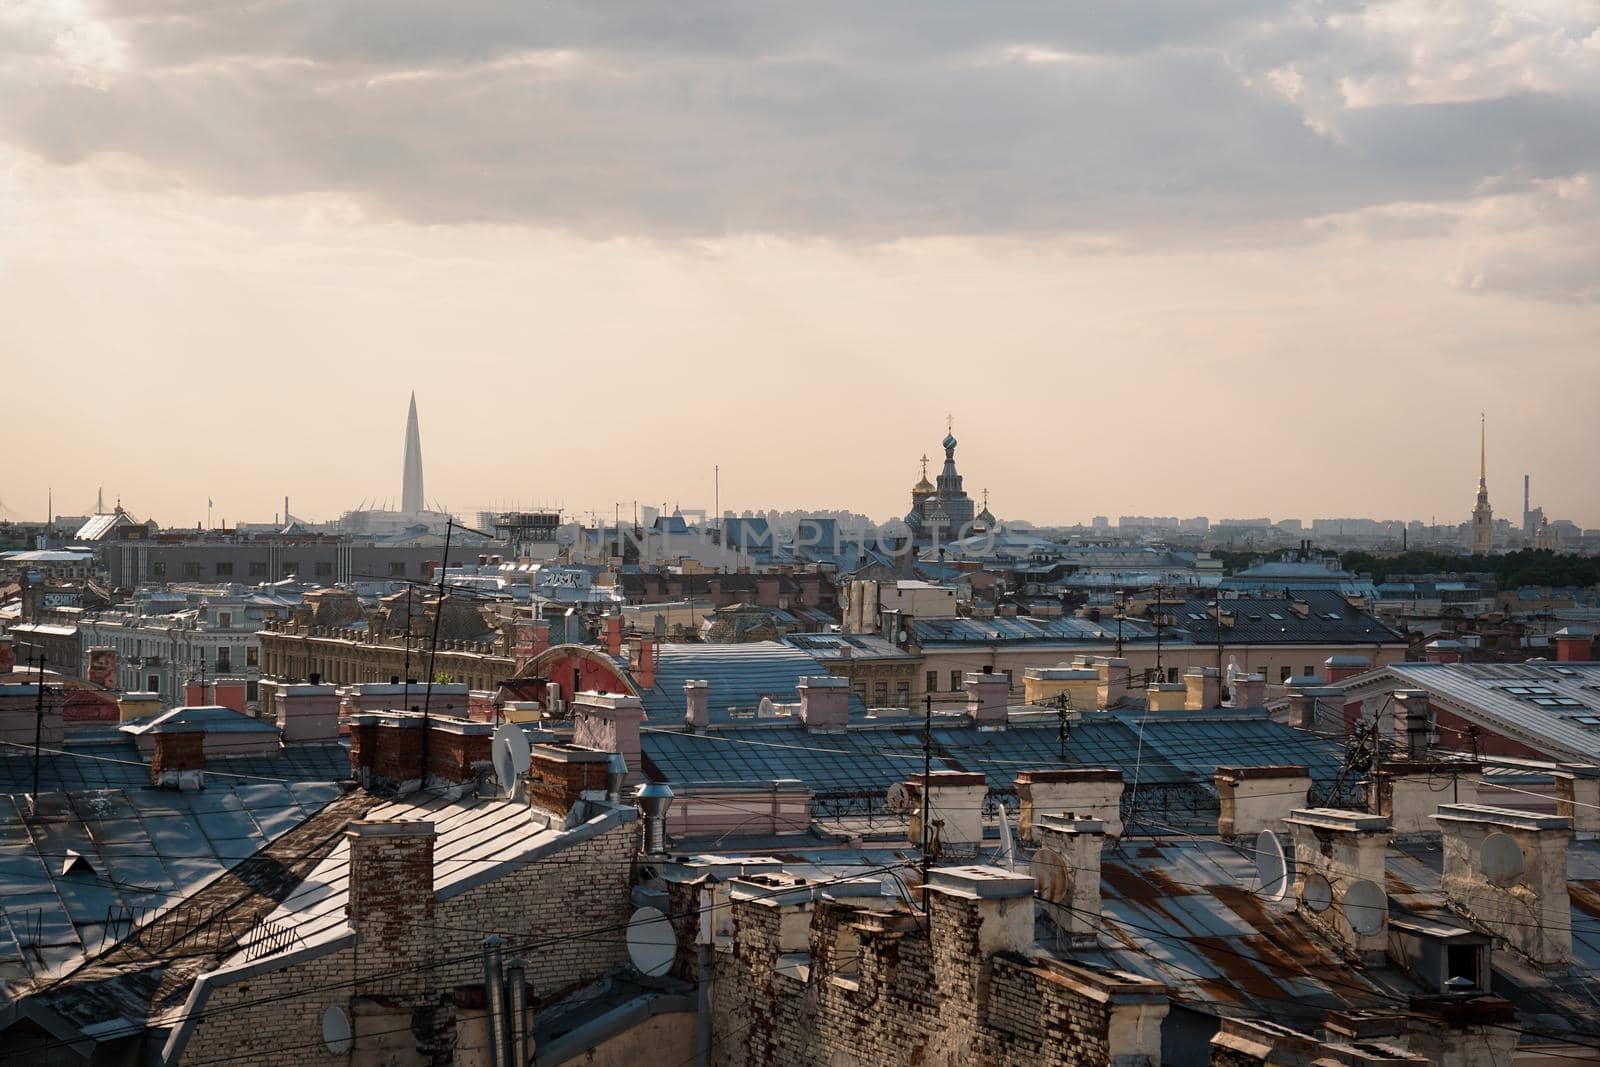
x: 923, y: 487
x: 914, y: 520
x: 949, y: 441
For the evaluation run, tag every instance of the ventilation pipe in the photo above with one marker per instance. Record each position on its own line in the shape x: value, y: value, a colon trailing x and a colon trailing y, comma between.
x: 654, y: 798
x: 494, y: 991
x: 616, y: 776
x: 517, y: 979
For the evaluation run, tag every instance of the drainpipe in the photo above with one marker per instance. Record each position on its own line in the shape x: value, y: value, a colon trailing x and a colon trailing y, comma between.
x: 517, y: 977
x: 495, y: 993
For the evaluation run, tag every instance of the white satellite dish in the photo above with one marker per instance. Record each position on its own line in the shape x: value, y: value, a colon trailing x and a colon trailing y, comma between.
x: 1365, y: 907
x: 764, y: 709
x: 512, y: 755
x: 1501, y: 859
x: 1052, y: 876
x: 336, y: 1032
x: 898, y: 799
x: 651, y: 941
x: 1317, y: 894
x: 1271, y: 869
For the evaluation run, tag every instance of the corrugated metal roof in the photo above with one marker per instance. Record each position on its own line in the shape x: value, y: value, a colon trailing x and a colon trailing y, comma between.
x: 1550, y: 704
x: 853, y: 762
x: 115, y: 763
x: 740, y: 675
x: 1066, y: 629
x: 138, y: 849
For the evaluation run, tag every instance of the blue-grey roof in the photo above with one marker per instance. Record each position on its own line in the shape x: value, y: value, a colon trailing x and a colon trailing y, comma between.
x: 1067, y: 629
x: 1329, y: 619
x: 75, y: 857
x: 740, y: 675
x: 856, y: 762
x: 214, y: 719
x: 114, y: 762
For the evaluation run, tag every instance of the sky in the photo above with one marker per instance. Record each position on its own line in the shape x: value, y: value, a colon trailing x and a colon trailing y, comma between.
x: 1236, y: 259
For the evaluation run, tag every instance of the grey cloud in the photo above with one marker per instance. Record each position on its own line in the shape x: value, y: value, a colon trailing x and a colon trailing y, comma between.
x: 1156, y: 123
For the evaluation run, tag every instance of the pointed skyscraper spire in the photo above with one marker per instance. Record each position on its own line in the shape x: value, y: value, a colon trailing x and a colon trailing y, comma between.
x: 411, y: 489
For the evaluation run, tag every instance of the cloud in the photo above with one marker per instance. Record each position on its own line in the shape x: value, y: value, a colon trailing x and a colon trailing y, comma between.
x: 1168, y: 123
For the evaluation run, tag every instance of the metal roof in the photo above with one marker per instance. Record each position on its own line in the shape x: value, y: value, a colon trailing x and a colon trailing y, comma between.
x: 1064, y: 630
x: 1555, y: 707
x: 213, y: 718
x: 854, y: 762
x: 832, y: 646
x: 740, y: 675
x: 78, y: 859
x: 114, y: 762
x: 1329, y: 619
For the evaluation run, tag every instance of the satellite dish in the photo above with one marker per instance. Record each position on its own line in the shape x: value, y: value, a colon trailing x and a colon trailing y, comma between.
x: 1271, y: 869
x: 898, y: 799
x: 1316, y: 894
x: 336, y: 1033
x: 651, y: 942
x: 512, y: 756
x: 1365, y: 907
x: 764, y: 709
x: 1501, y: 859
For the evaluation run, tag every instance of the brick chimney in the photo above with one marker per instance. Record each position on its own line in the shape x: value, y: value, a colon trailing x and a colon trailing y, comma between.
x: 1413, y: 723
x: 529, y: 638
x: 1410, y: 792
x: 1249, y: 691
x: 179, y: 758
x: 1254, y: 799
x: 1508, y: 871
x: 1313, y: 706
x: 824, y: 702
x: 1066, y: 873
x: 308, y: 713
x: 560, y: 775
x: 1166, y: 696
x: 229, y: 693
x: 1339, y: 876
x: 988, y: 697
x: 1113, y: 672
x: 643, y: 658
x: 1202, y: 689
x: 609, y: 722
x: 697, y: 703
x: 1574, y: 644
x: 103, y: 666
x: 1462, y: 1028
x: 1089, y: 792
x: 388, y: 750
x: 611, y: 634
x: 8, y: 654
x: 955, y: 812
x: 391, y: 903
x: 1338, y: 668
x: 1578, y: 798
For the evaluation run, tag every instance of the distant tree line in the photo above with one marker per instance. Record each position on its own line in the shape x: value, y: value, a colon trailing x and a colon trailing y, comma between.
x: 1527, y: 566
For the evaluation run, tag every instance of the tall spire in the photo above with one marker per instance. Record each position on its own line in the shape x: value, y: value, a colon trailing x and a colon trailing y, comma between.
x: 411, y: 490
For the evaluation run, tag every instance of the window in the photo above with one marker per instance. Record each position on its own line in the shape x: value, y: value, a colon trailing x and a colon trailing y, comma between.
x: 252, y: 691
x: 155, y: 684
x: 291, y: 567
x: 880, y: 694
x: 224, y: 568
x: 1558, y: 702
x: 1275, y: 615
x: 1284, y: 672
x: 324, y: 569
x: 158, y: 568
x: 1530, y: 691
x: 860, y: 690
x: 933, y: 681
x: 955, y: 681
x: 252, y: 656
x: 224, y: 658
x: 902, y: 694
x: 258, y: 568
x: 1311, y: 672
x: 397, y: 568
x: 225, y: 619
x: 191, y: 569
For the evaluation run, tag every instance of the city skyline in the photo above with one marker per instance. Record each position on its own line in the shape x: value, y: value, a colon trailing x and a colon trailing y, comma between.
x: 1218, y: 262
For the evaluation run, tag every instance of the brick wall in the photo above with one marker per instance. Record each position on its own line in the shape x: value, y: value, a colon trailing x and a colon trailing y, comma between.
x: 883, y: 990
x: 542, y: 909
